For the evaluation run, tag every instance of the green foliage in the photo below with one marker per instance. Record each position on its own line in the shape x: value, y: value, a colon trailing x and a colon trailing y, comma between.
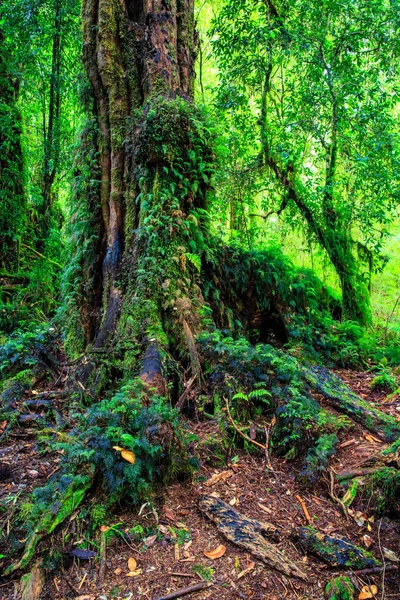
x: 385, y: 379
x: 317, y: 458
x: 275, y: 384
x: 383, y: 486
x: 22, y: 349
x: 151, y: 432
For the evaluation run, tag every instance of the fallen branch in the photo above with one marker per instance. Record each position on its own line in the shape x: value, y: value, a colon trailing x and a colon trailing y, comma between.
x: 334, y: 497
x: 336, y: 551
x: 305, y: 510
x: 246, y: 437
x: 374, y: 570
x: 343, y: 399
x: 187, y: 590
x: 249, y: 534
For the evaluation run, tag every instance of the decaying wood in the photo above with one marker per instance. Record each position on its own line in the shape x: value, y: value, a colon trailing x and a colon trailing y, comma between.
x: 335, y: 551
x: 249, y: 534
x: 32, y: 584
x: 374, y: 570
x: 343, y: 399
x: 197, y: 587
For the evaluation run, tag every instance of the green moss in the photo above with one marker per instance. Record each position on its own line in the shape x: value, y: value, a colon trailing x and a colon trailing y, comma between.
x: 340, y: 588
x: 384, y: 488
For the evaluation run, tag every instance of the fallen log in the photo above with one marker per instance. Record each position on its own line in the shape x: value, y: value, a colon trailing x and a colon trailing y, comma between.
x: 335, y: 551
x: 249, y: 534
x: 342, y: 398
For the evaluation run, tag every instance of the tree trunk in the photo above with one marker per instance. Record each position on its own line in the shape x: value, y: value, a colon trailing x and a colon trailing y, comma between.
x: 12, y: 200
x: 154, y: 166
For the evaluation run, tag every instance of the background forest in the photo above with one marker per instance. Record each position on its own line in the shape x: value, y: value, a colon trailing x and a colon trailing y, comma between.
x: 199, y: 221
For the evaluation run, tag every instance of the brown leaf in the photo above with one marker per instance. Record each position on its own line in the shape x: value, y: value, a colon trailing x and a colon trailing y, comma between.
x: 169, y: 513
x: 368, y: 591
x: 253, y: 432
x: 134, y: 573
x: 246, y: 571
x: 118, y: 571
x: 216, y: 553
x: 149, y: 541
x: 104, y: 528
x: 3, y: 425
x: 132, y: 564
x: 265, y: 508
x: 372, y: 438
x: 223, y: 476
x: 367, y: 540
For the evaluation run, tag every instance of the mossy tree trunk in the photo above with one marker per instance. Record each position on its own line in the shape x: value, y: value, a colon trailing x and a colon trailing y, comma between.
x: 12, y: 200
x: 154, y: 164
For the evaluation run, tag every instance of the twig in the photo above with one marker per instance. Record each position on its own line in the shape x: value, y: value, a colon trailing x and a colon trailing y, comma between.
x: 383, y: 560
x: 334, y: 497
x: 183, y: 396
x: 246, y: 437
x: 267, y: 458
x: 73, y: 588
x: 304, y: 507
x: 172, y: 574
x: 39, y: 255
x: 373, y: 570
x: 103, y: 548
x: 187, y: 590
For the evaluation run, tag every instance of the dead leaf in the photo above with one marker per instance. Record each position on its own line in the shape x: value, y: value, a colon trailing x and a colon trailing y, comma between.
x: 3, y: 425
x: 169, y: 513
x: 367, y: 540
x: 253, y: 432
x: 233, y: 501
x: 223, y: 476
x: 265, y: 508
x: 132, y: 564
x: 246, y: 571
x: 118, y: 571
x: 368, y: 591
x: 390, y: 555
x: 134, y: 573
x: 149, y: 541
x: 347, y: 443
x: 176, y: 552
x: 126, y: 454
x: 372, y: 438
x: 163, y: 529
x: 216, y: 553
x: 104, y: 528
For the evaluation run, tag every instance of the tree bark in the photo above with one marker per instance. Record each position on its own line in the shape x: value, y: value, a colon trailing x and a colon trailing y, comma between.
x: 139, y: 57
x: 12, y: 199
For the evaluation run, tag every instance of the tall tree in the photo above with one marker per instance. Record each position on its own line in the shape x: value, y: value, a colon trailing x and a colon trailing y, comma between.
x: 12, y: 197
x: 153, y: 165
x: 321, y: 76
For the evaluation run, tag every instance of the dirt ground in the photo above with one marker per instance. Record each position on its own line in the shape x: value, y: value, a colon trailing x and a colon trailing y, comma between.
x: 168, y: 543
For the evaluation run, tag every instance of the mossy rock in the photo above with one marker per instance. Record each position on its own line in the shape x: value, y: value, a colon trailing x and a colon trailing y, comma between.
x: 340, y: 588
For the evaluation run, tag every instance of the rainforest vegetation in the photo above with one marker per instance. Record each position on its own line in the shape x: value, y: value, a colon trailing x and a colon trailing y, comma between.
x: 199, y: 224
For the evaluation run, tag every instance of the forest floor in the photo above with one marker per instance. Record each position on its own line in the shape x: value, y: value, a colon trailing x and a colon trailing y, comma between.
x: 168, y: 544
